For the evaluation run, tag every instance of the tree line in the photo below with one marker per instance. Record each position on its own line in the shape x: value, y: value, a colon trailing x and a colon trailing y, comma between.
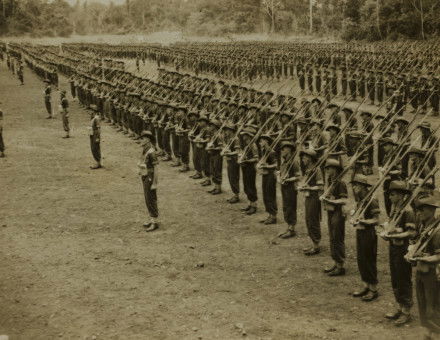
x: 348, y: 19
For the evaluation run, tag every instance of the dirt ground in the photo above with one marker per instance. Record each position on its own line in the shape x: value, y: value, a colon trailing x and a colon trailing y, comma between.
x: 75, y: 262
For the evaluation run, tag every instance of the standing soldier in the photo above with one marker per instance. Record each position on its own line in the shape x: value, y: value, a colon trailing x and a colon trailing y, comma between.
x: 312, y: 205
x: 289, y: 174
x: 380, y: 87
x: 334, y: 202
x: 65, y: 113
x: 344, y: 81
x: 371, y: 87
x: 426, y: 253
x: 148, y: 172
x: 269, y: 183
x: 72, y: 86
x: 95, y: 139
x: 366, y: 239
x: 247, y: 160
x: 215, y: 158
x: 230, y: 151
x: 20, y: 74
x: 352, y: 83
x: 2, y: 144
x: 47, y: 98
x: 398, y: 231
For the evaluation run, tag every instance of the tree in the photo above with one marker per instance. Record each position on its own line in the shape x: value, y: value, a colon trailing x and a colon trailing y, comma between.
x: 270, y: 8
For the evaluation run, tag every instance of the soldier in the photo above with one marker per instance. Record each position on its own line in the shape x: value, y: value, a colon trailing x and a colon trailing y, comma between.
x: 215, y: 159
x: 47, y: 98
x: 394, y: 173
x: 247, y: 158
x: 195, y: 134
x: 148, y: 172
x: 334, y: 202
x: 267, y: 167
x: 288, y: 175
x: 352, y: 83
x: 301, y: 77
x: 366, y: 239
x: 95, y: 140
x: 72, y: 86
x: 312, y: 204
x: 371, y: 87
x: 230, y: 152
x: 426, y: 254
x: 344, y: 81
x: 398, y: 231
x: 2, y: 144
x: 380, y: 87
x: 20, y: 74
x: 187, y: 122
x: 65, y: 113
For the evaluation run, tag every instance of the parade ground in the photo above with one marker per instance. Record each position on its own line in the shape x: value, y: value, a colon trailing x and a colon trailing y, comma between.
x: 76, y: 263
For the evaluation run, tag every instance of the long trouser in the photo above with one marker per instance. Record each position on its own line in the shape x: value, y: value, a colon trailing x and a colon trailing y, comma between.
x: 428, y: 298
x: 366, y: 246
x: 96, y: 149
x: 336, y: 231
x: 234, y: 175
x: 249, y: 176
x: 150, y: 196
x: 401, y: 275
x: 289, y: 195
x: 269, y: 189
x: 313, y: 216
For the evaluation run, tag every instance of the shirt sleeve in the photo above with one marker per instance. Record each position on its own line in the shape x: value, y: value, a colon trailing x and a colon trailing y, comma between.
x: 342, y: 190
x: 374, y: 207
x: 295, y: 172
x: 435, y: 242
x: 410, y: 220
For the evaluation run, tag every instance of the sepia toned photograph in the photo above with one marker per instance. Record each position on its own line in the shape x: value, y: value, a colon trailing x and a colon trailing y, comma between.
x: 219, y: 169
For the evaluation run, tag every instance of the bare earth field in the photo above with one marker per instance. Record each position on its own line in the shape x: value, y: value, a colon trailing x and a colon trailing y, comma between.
x: 75, y: 262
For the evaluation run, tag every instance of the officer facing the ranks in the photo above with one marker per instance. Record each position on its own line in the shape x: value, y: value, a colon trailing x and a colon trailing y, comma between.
x: 95, y: 139
x: 2, y: 145
x: 65, y: 113
x: 47, y: 98
x: 148, y: 173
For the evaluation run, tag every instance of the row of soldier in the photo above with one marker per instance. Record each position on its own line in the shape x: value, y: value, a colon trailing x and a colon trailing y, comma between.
x: 300, y: 144
x: 373, y: 75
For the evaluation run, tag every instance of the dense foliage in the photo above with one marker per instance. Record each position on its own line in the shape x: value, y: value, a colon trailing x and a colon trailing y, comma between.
x: 349, y: 19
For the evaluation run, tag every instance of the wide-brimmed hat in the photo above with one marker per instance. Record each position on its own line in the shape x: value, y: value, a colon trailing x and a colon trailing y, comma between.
x: 147, y: 134
x: 309, y: 152
x: 204, y: 118
x: 400, y: 186
x: 430, y: 200
x: 333, y: 163
x: 387, y: 140
x: 333, y: 126
x: 216, y: 123
x: 267, y: 137
x: 361, y: 179
x: 229, y: 126
x: 288, y: 144
x: 248, y: 131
